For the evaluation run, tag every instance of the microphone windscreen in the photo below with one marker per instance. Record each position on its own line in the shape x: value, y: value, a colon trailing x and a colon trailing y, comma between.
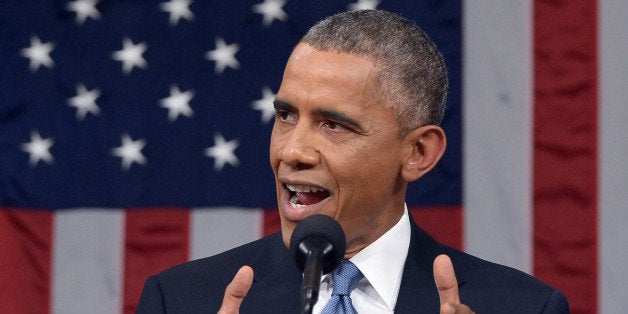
x: 318, y: 230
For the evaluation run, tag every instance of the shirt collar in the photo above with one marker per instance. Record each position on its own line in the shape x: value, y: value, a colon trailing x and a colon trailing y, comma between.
x: 382, y: 263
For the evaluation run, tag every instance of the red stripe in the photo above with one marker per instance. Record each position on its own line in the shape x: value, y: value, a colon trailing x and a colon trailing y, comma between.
x: 444, y: 223
x: 565, y: 149
x: 272, y: 222
x: 25, y: 260
x: 156, y: 238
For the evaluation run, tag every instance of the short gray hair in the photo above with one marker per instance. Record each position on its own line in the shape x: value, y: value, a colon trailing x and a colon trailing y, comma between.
x: 412, y: 74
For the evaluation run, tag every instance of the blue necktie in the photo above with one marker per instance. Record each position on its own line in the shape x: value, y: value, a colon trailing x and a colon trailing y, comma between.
x: 345, y: 279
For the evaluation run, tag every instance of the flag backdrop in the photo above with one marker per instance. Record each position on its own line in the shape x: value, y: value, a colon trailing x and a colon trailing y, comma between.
x: 134, y: 136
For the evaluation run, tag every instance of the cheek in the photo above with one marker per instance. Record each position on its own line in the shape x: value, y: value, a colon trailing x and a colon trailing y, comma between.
x: 371, y: 172
x: 375, y: 160
x: 361, y: 177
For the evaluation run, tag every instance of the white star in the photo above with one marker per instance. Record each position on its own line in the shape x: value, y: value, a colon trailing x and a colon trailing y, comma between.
x: 271, y: 10
x: 223, y: 152
x: 38, y: 149
x: 84, y: 102
x: 224, y: 55
x: 364, y: 5
x: 130, y: 151
x: 130, y: 55
x: 265, y: 105
x: 39, y: 54
x: 177, y: 9
x: 177, y: 103
x: 83, y: 10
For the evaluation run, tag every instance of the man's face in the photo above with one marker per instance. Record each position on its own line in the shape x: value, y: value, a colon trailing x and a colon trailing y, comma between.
x: 335, y: 148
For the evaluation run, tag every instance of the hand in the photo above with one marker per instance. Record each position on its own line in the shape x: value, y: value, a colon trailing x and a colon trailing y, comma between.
x: 447, y: 286
x: 236, y: 291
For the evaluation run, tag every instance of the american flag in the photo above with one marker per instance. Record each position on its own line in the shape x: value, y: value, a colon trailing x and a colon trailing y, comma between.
x: 134, y: 136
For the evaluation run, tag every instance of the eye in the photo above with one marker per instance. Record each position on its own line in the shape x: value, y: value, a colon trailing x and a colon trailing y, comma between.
x: 335, y: 126
x: 285, y: 116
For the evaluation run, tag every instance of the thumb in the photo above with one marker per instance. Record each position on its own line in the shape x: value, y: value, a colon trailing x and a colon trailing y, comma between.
x: 237, y: 290
x: 445, y: 279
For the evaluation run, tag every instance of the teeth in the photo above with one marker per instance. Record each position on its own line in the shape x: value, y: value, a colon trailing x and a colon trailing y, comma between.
x: 302, y: 188
x: 294, y: 201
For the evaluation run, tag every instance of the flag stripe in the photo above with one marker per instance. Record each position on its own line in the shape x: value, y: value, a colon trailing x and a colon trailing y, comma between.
x: 87, y: 261
x: 25, y: 252
x: 272, y: 222
x: 215, y: 230
x: 614, y: 149
x: 443, y: 223
x: 565, y: 149
x: 156, y: 239
x: 497, y: 131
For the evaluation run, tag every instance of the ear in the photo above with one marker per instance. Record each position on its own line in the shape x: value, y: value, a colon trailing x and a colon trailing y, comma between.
x: 425, y: 146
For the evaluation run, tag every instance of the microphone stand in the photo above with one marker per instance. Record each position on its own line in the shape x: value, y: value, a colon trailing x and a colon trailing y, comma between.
x: 312, y: 272
x: 318, y: 245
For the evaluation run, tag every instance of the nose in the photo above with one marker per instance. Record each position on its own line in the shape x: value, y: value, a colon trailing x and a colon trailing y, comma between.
x: 299, y: 149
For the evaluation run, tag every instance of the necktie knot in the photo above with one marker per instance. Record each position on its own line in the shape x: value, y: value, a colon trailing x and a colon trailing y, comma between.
x: 345, y: 278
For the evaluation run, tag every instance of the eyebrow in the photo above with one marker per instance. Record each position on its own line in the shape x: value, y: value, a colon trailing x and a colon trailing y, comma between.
x: 329, y: 114
x: 283, y: 105
x: 339, y: 117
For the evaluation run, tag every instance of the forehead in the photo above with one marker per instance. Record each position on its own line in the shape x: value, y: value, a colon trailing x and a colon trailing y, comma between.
x: 328, y: 76
x: 328, y: 58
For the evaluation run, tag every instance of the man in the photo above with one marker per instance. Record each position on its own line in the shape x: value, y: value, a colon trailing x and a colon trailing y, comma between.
x: 357, y: 119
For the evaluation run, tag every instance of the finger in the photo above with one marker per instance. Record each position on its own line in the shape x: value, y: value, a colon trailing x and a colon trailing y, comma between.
x: 445, y: 280
x: 450, y: 308
x: 237, y: 290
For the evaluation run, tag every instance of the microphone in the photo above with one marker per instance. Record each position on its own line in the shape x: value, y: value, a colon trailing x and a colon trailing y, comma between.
x: 318, y: 245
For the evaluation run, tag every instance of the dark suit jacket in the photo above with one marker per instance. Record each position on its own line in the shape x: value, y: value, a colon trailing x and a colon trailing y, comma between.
x: 198, y: 286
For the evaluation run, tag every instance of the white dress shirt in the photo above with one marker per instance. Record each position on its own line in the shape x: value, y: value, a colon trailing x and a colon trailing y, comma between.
x: 381, y: 263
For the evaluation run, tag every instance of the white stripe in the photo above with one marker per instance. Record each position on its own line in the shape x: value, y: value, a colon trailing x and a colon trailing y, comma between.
x: 613, y: 212
x: 87, y: 261
x: 497, y: 107
x: 215, y: 230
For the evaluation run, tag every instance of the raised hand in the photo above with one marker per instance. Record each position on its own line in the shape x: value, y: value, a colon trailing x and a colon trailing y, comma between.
x: 236, y: 291
x: 447, y: 285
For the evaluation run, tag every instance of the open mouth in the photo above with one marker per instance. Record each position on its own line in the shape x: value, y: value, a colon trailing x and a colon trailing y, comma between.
x: 304, y: 195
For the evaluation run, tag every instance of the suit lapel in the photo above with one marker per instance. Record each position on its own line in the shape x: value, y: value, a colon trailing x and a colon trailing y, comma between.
x: 277, y: 280
x: 418, y: 293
